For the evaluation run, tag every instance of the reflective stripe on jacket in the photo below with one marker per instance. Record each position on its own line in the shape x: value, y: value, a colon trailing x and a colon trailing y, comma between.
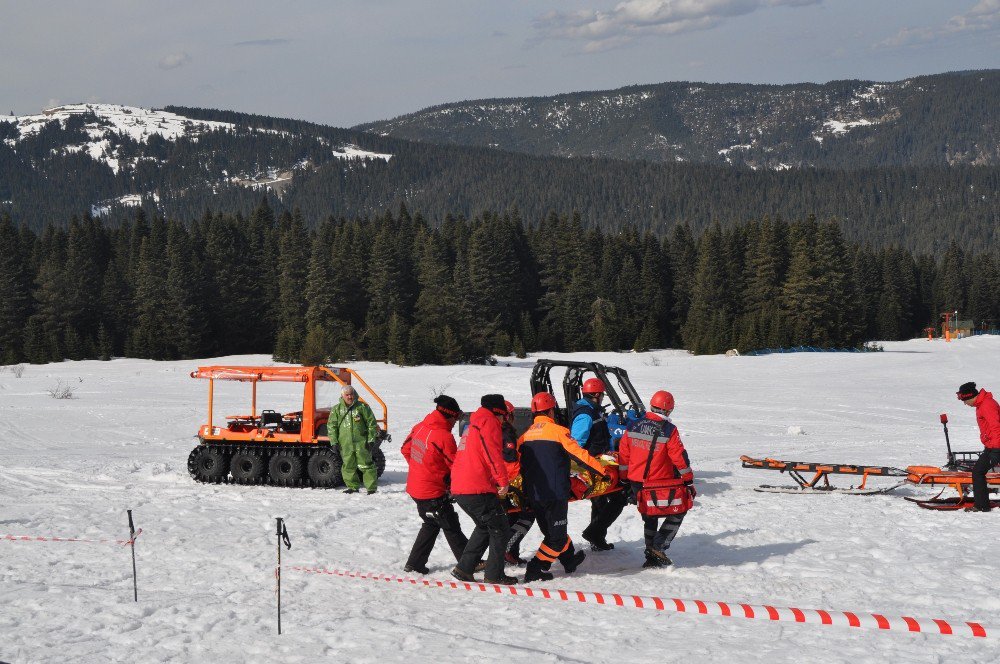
x: 546, y: 451
x: 430, y: 451
x: 670, y: 465
x: 479, y: 466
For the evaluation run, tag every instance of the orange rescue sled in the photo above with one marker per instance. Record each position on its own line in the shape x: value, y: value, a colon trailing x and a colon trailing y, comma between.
x: 960, y: 481
x: 820, y: 480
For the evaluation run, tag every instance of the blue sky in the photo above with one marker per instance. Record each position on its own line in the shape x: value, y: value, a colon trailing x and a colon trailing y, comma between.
x: 343, y: 62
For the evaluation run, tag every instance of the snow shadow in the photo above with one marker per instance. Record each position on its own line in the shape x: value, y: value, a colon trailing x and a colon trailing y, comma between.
x: 708, y: 550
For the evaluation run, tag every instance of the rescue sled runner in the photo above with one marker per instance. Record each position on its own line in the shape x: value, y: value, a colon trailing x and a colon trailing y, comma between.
x: 960, y: 481
x: 821, y: 472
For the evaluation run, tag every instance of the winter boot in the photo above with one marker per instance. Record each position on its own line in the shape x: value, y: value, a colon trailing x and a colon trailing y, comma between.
x: 597, y: 543
x: 573, y: 562
x: 462, y: 576
x: 503, y: 580
x: 419, y: 569
x: 514, y: 559
x: 656, y: 558
x: 534, y: 572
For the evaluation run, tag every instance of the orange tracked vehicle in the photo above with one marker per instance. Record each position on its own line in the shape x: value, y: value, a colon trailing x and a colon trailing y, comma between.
x: 270, y: 447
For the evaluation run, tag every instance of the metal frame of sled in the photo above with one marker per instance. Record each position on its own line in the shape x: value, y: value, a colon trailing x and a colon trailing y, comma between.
x: 820, y: 481
x: 960, y: 481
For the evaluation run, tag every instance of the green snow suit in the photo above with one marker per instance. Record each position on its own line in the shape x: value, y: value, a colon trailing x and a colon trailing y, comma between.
x: 354, y: 428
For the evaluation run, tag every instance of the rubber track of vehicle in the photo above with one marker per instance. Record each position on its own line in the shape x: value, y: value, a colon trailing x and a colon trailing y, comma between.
x: 261, y: 449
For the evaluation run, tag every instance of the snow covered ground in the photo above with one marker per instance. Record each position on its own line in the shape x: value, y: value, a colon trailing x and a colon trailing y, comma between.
x: 71, y: 468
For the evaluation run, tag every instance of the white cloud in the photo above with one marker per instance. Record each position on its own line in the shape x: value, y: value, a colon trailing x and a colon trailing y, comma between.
x: 174, y: 60
x: 601, y: 30
x: 984, y: 16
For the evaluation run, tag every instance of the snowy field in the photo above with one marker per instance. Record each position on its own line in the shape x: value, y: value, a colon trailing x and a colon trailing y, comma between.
x: 70, y: 468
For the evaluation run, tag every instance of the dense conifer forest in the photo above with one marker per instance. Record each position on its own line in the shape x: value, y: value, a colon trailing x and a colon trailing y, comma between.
x: 395, y: 287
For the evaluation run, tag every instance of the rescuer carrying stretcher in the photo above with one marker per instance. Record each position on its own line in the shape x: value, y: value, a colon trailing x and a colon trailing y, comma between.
x: 546, y: 451
x: 653, y: 459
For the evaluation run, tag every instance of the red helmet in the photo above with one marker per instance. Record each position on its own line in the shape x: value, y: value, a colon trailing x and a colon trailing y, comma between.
x: 662, y: 400
x: 593, y: 386
x: 542, y: 402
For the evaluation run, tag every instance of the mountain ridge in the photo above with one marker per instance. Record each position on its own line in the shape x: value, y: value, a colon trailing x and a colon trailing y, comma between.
x: 939, y: 119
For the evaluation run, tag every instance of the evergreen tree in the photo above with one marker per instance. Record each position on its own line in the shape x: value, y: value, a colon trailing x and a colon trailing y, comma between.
x: 707, y: 327
x: 15, y: 293
x: 683, y: 264
x: 293, y: 268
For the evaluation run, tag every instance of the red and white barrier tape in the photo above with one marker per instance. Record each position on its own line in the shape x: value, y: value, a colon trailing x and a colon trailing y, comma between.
x: 36, y: 538
x: 873, y: 621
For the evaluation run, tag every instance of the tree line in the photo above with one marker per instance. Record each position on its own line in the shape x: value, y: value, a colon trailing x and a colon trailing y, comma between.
x: 398, y: 288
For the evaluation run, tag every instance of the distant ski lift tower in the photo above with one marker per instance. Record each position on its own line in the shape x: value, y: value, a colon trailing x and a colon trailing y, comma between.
x: 946, y: 327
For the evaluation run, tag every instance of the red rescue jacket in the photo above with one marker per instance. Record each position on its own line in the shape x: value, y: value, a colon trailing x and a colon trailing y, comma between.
x: 430, y: 451
x: 479, y: 466
x: 669, y: 466
x: 988, y: 418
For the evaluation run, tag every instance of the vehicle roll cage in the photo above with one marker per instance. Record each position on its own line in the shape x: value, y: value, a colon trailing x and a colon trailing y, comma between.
x: 541, y: 381
x: 307, y: 375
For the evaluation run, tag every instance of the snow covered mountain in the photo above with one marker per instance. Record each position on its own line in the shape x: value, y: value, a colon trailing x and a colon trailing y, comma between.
x: 130, y: 146
x: 946, y: 119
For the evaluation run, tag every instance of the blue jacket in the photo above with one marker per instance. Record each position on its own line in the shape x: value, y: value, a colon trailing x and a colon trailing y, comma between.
x: 589, y: 428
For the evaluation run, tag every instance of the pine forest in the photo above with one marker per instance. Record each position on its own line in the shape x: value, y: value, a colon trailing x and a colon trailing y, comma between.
x: 399, y: 288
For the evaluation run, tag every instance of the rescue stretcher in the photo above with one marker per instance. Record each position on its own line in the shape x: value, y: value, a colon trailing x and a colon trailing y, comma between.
x: 584, y: 483
x: 820, y: 480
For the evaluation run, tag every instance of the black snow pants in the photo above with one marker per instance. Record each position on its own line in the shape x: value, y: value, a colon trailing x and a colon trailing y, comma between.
x: 520, y: 524
x: 603, y: 512
x: 980, y: 490
x: 660, y: 539
x: 491, y: 531
x: 438, y: 516
x: 556, y: 545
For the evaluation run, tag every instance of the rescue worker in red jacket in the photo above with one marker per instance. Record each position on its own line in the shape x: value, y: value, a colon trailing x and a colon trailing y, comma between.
x: 988, y: 418
x: 430, y: 451
x: 652, y: 457
x: 546, y: 451
x: 520, y: 522
x: 478, y: 482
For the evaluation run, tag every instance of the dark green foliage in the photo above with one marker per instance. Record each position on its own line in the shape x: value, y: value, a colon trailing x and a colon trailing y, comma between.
x: 394, y: 288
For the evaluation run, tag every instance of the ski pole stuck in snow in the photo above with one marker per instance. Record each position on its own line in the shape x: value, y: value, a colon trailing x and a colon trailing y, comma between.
x: 282, y: 536
x: 764, y: 612
x: 131, y: 541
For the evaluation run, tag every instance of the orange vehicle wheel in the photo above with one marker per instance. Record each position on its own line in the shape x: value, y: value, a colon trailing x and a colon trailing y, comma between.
x: 285, y: 468
x: 207, y: 464
x: 247, y: 467
x: 324, y: 469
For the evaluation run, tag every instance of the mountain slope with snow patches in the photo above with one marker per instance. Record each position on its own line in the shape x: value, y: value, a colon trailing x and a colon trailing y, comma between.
x: 70, y: 468
x: 946, y: 119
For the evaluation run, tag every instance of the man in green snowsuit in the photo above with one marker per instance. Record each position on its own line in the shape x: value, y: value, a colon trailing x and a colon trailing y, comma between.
x: 352, y: 425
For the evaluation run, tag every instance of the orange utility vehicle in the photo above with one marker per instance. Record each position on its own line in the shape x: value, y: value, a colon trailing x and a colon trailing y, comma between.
x: 270, y: 447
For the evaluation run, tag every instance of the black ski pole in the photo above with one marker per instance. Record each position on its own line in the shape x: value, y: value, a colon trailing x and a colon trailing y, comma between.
x: 131, y: 538
x: 947, y: 441
x: 282, y: 535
